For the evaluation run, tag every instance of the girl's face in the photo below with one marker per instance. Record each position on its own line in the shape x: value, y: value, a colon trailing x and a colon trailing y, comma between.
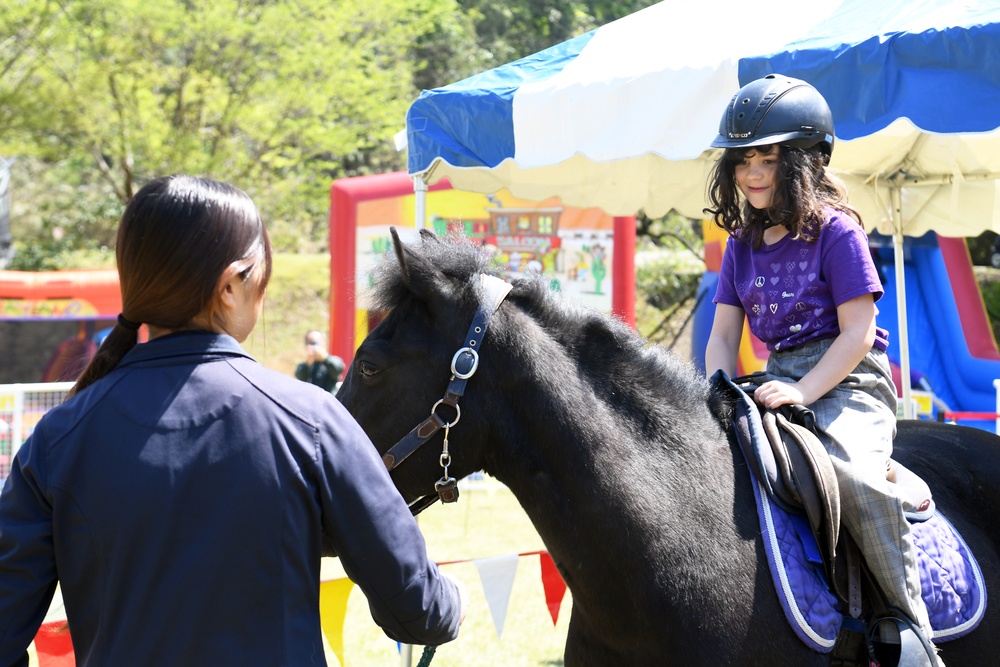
x: 756, y: 175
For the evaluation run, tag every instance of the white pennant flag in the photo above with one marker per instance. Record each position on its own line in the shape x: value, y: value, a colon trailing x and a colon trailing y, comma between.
x: 497, y: 576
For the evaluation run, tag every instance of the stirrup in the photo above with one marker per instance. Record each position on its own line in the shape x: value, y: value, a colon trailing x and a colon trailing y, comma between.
x: 915, y: 650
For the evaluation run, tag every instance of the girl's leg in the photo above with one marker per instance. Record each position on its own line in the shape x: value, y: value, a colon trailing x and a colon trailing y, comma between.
x: 857, y: 422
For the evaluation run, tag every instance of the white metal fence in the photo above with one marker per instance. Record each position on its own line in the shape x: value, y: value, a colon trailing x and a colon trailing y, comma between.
x: 21, y: 406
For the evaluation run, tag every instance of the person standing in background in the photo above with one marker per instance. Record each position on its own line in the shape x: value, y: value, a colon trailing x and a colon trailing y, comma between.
x: 320, y: 367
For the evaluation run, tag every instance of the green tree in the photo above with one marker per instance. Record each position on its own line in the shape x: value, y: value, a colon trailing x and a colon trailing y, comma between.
x: 669, y: 274
x: 514, y: 29
x: 277, y: 97
x: 446, y: 49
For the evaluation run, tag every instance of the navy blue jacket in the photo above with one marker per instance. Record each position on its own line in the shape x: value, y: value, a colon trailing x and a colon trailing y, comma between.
x: 183, y: 503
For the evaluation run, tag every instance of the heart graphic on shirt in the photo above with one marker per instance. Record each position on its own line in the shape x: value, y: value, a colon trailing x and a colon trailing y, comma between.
x: 774, y: 308
x: 817, y: 312
x: 775, y: 267
x: 789, y: 318
x: 803, y: 265
x: 774, y: 280
x: 796, y: 328
x: 812, y: 277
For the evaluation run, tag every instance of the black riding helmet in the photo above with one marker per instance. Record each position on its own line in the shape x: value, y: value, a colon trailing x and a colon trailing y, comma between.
x: 777, y: 109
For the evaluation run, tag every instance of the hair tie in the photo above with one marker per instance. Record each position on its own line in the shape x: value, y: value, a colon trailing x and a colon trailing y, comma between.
x: 128, y: 324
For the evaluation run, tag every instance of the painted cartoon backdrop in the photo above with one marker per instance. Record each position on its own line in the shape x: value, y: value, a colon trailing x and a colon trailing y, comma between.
x: 572, y: 248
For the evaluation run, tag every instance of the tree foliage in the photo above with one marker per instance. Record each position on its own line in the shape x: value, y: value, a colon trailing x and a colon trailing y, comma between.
x: 670, y: 271
x: 506, y: 31
x: 277, y: 96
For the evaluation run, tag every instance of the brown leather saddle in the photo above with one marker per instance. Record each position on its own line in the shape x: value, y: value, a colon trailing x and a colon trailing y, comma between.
x: 793, y: 466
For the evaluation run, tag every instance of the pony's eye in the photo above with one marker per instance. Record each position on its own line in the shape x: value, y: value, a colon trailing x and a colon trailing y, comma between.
x: 367, y: 369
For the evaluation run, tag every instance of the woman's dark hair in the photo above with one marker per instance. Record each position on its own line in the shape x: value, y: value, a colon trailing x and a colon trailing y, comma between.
x: 804, y: 186
x: 176, y: 237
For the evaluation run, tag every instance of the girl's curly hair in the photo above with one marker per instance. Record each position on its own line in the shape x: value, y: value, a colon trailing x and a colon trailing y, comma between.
x: 803, y: 189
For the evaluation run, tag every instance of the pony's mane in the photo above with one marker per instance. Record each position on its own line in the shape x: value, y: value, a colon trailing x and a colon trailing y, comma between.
x: 612, y: 352
x: 626, y: 367
x: 456, y: 257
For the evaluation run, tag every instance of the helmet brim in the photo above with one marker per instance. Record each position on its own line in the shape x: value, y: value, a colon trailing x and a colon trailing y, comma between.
x: 796, y: 139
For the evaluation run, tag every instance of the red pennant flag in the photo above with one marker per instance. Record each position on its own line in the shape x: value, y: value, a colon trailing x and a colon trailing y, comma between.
x: 552, y: 582
x: 54, y: 646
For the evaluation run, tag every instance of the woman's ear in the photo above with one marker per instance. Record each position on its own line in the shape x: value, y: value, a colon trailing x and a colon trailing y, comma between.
x: 225, y: 289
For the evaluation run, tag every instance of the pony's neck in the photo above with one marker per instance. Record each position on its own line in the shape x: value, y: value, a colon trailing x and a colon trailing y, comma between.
x: 604, y: 454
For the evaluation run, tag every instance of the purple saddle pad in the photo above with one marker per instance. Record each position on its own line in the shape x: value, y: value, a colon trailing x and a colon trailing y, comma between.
x: 951, y: 582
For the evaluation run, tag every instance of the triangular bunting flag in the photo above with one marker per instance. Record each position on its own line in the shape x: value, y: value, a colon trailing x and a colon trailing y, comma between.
x: 553, y: 583
x: 54, y: 646
x: 332, y: 610
x: 497, y: 575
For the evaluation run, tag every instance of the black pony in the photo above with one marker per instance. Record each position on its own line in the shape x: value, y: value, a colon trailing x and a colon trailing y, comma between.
x: 611, y: 449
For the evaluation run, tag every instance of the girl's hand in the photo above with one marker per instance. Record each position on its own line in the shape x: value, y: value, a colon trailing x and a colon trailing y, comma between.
x: 774, y: 393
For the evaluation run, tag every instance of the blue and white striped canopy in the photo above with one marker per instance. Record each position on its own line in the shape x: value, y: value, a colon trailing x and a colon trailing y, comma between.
x: 621, y: 117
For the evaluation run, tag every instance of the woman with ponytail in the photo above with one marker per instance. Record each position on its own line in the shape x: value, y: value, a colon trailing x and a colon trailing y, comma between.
x: 183, y: 495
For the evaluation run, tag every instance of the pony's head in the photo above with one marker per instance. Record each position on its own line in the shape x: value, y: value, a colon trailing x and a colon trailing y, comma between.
x: 431, y: 291
x: 556, y: 383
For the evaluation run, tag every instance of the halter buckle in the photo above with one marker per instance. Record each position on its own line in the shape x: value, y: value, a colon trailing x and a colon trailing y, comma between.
x: 447, y: 489
x: 465, y: 374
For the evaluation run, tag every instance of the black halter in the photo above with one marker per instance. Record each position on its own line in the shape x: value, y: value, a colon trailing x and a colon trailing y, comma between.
x: 463, y: 366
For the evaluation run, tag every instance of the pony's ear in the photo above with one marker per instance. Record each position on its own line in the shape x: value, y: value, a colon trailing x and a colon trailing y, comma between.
x: 428, y: 235
x: 421, y: 277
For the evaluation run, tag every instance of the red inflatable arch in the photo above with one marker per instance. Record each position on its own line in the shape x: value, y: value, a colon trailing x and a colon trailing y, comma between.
x: 78, y: 304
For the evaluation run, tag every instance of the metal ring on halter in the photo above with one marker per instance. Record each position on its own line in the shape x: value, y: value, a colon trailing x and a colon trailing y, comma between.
x: 475, y: 363
x: 458, y: 413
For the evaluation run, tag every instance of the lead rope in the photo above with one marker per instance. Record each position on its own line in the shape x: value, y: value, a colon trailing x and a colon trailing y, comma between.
x: 425, y: 657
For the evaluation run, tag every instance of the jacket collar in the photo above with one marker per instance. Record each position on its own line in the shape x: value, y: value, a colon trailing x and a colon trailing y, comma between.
x: 203, y: 344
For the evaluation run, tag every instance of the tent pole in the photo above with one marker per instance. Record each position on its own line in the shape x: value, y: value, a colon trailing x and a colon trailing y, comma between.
x: 420, y: 194
x: 904, y: 341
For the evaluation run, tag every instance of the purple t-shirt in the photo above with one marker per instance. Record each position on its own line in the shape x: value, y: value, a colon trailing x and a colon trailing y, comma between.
x: 790, y: 290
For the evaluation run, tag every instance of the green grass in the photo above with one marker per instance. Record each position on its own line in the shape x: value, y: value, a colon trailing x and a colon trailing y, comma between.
x: 485, y: 522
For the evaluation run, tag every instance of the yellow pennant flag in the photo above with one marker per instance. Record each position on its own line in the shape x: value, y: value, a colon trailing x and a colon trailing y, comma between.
x: 332, y: 610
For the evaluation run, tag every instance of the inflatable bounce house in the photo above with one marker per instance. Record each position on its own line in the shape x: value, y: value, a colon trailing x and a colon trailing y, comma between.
x: 52, y: 322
